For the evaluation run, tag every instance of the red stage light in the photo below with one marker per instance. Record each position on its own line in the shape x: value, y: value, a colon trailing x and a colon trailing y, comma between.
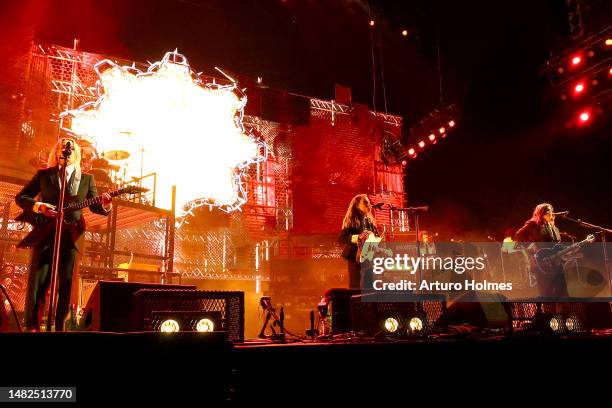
x: 451, y: 123
x: 442, y: 130
x: 585, y: 116
x: 577, y: 59
x: 610, y: 71
x: 432, y: 137
x: 404, y: 163
x: 405, y: 33
x: 608, y: 42
x: 579, y: 87
x: 411, y: 151
x: 421, y: 144
x: 372, y: 23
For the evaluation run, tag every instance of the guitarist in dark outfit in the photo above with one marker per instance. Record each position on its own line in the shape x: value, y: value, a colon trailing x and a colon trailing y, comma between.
x: 541, y: 229
x: 41, y: 196
x: 357, y: 222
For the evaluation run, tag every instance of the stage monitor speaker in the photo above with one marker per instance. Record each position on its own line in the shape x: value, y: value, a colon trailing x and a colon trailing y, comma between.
x: 108, y: 308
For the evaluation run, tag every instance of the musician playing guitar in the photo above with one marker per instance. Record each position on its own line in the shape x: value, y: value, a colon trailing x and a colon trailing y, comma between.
x: 358, y: 224
x: 41, y: 196
x: 541, y: 229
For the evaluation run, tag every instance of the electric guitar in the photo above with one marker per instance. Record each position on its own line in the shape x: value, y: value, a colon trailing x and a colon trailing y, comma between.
x: 368, y: 249
x: 549, y: 260
x: 45, y: 226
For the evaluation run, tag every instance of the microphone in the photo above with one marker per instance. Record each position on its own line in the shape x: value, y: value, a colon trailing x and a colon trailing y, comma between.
x: 67, y: 149
x: 378, y: 205
x: 561, y: 213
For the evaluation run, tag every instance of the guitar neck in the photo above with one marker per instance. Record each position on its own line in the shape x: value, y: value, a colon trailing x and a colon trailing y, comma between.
x: 91, y: 201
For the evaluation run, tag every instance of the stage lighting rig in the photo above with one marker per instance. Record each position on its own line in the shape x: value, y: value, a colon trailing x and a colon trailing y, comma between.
x: 580, y: 79
x: 438, y: 124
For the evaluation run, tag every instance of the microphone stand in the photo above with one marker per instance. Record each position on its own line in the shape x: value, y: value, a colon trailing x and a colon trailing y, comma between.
x: 602, y: 231
x: 415, y: 211
x: 59, y: 221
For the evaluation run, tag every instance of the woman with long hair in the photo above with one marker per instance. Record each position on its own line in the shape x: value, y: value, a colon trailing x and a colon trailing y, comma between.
x: 357, y: 224
x: 541, y: 230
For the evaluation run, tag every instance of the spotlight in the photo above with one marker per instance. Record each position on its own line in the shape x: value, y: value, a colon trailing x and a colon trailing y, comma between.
x: 442, y: 130
x: 411, y: 151
x: 169, y: 326
x: 421, y: 144
x: 608, y: 42
x: 405, y: 33
x: 372, y: 23
x: 415, y: 325
x: 432, y: 137
x: 584, y: 116
x: 556, y: 324
x: 579, y: 87
x: 205, y: 325
x: 610, y: 72
x: 451, y: 123
x: 577, y: 59
x: 391, y: 325
x: 404, y: 163
x: 571, y: 324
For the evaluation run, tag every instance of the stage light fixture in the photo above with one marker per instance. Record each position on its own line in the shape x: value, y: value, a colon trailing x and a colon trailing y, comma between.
x: 421, y: 144
x: 584, y: 116
x: 451, y: 123
x: 442, y: 130
x: 372, y: 23
x: 169, y: 326
x: 205, y: 325
x: 391, y: 325
x: 579, y: 87
x: 556, y: 324
x: 577, y: 59
x: 405, y: 33
x: 411, y: 151
x: 432, y: 137
x: 610, y: 72
x: 415, y: 325
x: 571, y: 324
x: 608, y: 42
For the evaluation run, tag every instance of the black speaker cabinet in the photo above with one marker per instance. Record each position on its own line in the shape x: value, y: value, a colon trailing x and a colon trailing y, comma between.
x: 108, y: 308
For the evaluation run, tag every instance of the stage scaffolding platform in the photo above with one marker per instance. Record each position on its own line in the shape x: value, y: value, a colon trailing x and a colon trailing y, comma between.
x: 132, y: 231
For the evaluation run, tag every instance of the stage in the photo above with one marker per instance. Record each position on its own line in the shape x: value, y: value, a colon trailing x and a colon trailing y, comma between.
x: 211, y: 371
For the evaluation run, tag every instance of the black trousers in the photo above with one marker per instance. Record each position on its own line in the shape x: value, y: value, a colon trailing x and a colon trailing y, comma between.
x: 39, y: 283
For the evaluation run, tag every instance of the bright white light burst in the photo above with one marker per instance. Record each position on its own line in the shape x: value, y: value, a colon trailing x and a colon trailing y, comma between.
x: 170, y: 122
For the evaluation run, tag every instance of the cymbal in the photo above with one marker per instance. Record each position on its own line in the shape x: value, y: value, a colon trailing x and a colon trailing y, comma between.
x: 116, y: 155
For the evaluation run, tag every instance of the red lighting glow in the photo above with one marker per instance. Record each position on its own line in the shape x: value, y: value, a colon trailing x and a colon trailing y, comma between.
x: 411, y: 151
x: 421, y: 144
x: 579, y: 87
x: 451, y: 123
x: 584, y: 116
x: 442, y: 130
x: 577, y: 59
x: 608, y: 42
x: 432, y: 137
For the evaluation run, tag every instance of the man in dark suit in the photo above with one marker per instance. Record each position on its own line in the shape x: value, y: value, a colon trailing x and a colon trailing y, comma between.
x: 41, y: 195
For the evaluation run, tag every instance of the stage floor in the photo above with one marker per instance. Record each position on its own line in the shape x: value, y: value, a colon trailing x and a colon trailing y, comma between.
x: 156, y: 367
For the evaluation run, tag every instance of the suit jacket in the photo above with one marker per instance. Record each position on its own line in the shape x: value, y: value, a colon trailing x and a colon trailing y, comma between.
x: 46, y: 184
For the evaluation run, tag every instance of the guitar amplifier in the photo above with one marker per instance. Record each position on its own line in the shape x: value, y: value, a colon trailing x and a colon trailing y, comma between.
x: 108, y: 308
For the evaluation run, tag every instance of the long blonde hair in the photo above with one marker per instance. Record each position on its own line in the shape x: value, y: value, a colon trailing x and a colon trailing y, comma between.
x: 76, y: 150
x: 353, y: 217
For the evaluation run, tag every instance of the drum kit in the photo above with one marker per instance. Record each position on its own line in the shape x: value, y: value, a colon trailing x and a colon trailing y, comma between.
x: 108, y: 168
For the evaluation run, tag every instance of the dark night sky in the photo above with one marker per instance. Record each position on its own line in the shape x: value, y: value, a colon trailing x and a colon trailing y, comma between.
x: 510, y: 151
